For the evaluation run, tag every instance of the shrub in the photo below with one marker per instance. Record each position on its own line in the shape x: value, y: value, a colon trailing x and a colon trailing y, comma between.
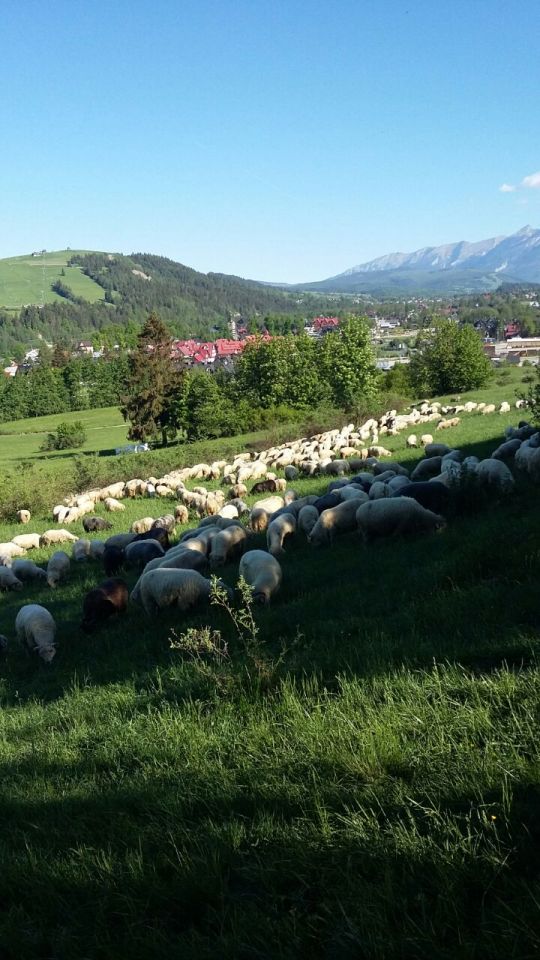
x: 67, y: 436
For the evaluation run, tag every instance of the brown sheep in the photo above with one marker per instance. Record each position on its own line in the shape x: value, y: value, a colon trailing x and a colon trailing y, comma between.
x: 265, y: 486
x: 110, y: 597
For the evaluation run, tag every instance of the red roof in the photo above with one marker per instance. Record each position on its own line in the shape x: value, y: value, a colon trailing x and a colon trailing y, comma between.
x: 228, y: 348
x: 325, y: 322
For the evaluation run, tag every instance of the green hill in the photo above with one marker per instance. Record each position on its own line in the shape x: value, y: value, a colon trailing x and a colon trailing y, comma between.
x: 71, y: 294
x: 28, y: 279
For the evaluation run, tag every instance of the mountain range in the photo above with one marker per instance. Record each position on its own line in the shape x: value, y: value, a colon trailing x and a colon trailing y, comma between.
x: 460, y: 267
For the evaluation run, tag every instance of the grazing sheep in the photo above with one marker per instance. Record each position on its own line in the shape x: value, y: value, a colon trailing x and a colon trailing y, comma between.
x: 57, y: 568
x: 35, y: 627
x: 226, y: 545
x: 338, y: 519
x: 426, y: 439
x: 140, y: 552
x: 436, y: 450
x: 120, y: 540
x: 9, y: 550
x: 97, y: 549
x: 27, y: 571
x: 396, y: 484
x: 56, y: 536
x: 167, y: 523
x: 495, y: 474
x: 427, y: 468
x: 228, y: 511
x: 27, y: 541
x: 265, y: 486
x: 412, y: 440
x: 181, y: 513
x: 507, y: 450
x: 8, y: 580
x: 167, y: 587
x: 80, y: 550
x: 113, y: 505
x: 105, y: 600
x: 96, y: 524
x: 327, y: 501
x: 488, y: 408
x: 113, y: 559
x: 291, y: 472
x: 432, y: 495
x: 307, y: 518
x: 143, y: 525
x: 283, y: 526
x: 395, y: 517
x: 185, y: 558
x: 156, y: 533
x: 504, y: 407
x: 23, y: 516
x: 378, y: 490
x: 262, y: 572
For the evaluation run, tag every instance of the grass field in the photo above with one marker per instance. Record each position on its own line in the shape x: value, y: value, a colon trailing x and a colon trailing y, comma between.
x: 22, y: 439
x: 25, y: 280
x: 362, y: 780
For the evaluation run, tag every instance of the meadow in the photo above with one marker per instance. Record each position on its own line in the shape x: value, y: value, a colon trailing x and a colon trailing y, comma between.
x: 27, y: 279
x: 358, y: 777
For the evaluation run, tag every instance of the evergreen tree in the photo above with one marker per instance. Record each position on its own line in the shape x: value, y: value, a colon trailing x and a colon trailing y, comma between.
x: 150, y: 385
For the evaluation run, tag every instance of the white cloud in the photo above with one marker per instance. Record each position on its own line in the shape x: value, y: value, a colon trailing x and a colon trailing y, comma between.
x: 532, y: 181
x: 507, y: 188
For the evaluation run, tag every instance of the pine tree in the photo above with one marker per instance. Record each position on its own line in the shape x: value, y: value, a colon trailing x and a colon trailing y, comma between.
x: 151, y: 384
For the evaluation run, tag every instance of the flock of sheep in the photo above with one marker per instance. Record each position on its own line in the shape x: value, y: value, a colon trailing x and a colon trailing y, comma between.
x: 377, y: 499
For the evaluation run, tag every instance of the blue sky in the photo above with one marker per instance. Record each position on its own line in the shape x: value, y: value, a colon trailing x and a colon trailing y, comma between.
x: 279, y: 140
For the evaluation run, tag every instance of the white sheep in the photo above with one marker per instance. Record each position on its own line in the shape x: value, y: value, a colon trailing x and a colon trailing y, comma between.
x: 425, y: 439
x: 27, y: 571
x: 167, y: 587
x: 57, y: 568
x: 338, y: 519
x: 394, y: 517
x: 488, y: 408
x: 228, y: 511
x: 143, y: 525
x: 80, y: 550
x: 35, y: 627
x: 97, y: 549
x: 227, y: 544
x: 504, y: 407
x: 283, y: 526
x: 27, y: 541
x: 23, y: 516
x: 412, y: 440
x: 307, y: 518
x: 113, y: 505
x: 495, y: 474
x: 56, y: 536
x: 8, y: 580
x: 181, y: 513
x: 263, y: 574
x: 9, y: 550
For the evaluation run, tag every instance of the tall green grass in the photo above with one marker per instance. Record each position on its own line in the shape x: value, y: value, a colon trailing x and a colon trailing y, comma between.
x: 365, y: 784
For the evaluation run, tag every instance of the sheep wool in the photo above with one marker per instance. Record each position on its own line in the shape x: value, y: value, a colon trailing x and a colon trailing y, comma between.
x: 263, y: 573
x: 395, y: 517
x: 57, y: 568
x: 166, y: 587
x: 338, y: 519
x: 8, y: 580
x: 28, y: 541
x: 228, y: 543
x: 35, y: 627
x: 283, y: 526
x: 307, y: 518
x: 27, y: 571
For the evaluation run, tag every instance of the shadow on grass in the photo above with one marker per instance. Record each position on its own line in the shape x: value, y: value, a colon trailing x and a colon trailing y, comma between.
x: 246, y: 873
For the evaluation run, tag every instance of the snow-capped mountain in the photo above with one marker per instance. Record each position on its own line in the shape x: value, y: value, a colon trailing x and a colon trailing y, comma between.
x: 460, y: 266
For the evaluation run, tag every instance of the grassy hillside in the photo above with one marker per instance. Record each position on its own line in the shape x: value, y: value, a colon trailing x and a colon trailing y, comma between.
x: 27, y: 279
x: 359, y: 780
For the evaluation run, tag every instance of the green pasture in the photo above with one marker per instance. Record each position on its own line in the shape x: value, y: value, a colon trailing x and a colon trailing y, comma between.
x: 26, y: 280
x: 21, y: 439
x: 359, y: 779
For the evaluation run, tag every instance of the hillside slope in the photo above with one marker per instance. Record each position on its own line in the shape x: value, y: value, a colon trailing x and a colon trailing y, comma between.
x: 103, y: 290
